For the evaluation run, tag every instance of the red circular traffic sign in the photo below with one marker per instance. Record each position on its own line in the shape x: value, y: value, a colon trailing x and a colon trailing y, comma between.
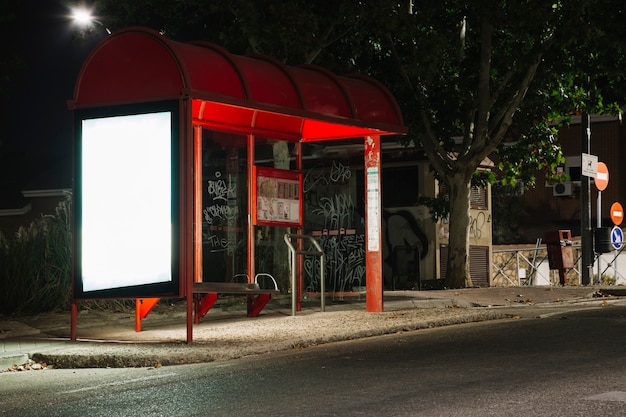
x: 602, y: 177
x: 617, y: 213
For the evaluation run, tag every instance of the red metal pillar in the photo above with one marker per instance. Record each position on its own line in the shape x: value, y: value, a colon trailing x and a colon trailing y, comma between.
x: 74, y: 319
x: 197, y: 204
x: 187, y: 209
x: 251, y: 192
x: 373, y: 226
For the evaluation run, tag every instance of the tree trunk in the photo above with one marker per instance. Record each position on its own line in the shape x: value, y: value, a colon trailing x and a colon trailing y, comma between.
x: 458, y: 272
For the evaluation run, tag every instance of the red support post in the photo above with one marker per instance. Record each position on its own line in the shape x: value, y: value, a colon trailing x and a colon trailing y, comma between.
x: 251, y: 191
x: 373, y: 226
x: 137, y: 315
x: 299, y: 242
x: 74, y: 320
x: 188, y: 151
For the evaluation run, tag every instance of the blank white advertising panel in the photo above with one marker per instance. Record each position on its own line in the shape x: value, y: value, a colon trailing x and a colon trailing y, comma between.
x: 125, y: 205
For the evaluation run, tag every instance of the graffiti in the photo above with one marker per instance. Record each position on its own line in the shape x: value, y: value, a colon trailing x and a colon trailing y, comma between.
x: 221, y: 189
x: 476, y: 225
x: 339, y: 173
x: 401, y: 229
x: 216, y: 243
x: 313, y: 178
x: 402, y: 236
x: 217, y: 213
x: 220, y: 221
x: 344, y: 258
x: 336, y: 211
x: 331, y: 212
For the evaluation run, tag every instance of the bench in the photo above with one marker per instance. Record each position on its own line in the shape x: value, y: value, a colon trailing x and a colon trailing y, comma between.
x: 258, y: 297
x: 205, y: 295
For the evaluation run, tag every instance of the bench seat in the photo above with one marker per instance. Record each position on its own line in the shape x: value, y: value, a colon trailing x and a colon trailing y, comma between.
x: 206, y: 294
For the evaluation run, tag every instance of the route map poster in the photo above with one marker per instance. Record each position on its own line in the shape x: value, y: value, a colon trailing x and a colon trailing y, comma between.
x: 277, y: 197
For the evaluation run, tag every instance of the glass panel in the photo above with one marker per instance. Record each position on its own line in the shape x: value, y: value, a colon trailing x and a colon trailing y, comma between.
x: 224, y: 196
x: 334, y: 216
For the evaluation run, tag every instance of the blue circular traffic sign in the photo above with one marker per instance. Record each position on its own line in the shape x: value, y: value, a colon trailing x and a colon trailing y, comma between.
x: 617, y: 237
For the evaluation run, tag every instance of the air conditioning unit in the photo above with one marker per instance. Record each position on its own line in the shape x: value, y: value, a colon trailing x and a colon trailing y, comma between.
x: 563, y: 189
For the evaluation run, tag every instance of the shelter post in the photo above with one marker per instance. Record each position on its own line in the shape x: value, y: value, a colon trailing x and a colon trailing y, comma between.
x: 197, y: 169
x: 300, y: 231
x: 373, y: 223
x: 188, y: 204
x: 251, y: 192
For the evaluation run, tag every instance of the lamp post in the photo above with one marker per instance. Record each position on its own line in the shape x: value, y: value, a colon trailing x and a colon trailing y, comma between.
x: 585, y: 218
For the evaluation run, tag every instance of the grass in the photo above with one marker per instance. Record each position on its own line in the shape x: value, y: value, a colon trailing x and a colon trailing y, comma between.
x: 36, y: 263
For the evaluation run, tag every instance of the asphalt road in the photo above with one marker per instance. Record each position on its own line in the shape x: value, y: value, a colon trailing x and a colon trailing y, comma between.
x: 567, y: 364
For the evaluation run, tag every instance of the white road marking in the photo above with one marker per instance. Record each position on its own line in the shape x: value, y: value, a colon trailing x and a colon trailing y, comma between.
x: 118, y: 383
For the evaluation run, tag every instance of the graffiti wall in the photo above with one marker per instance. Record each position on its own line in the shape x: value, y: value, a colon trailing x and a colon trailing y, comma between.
x: 331, y: 216
x: 334, y: 207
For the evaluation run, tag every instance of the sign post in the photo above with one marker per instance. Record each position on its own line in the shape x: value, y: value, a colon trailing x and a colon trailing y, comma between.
x: 617, y: 216
x: 617, y: 237
x: 601, y: 181
x: 589, y: 166
x: 617, y: 213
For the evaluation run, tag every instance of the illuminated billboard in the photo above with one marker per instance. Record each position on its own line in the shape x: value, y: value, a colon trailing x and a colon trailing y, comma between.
x: 126, y: 202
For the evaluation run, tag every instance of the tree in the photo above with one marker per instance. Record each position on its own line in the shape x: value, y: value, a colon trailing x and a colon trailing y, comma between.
x: 476, y: 75
x: 470, y: 77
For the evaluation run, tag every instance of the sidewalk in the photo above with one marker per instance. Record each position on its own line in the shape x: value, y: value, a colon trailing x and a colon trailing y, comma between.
x: 108, y: 339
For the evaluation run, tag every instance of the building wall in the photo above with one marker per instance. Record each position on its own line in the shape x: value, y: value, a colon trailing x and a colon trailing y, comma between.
x: 38, y: 207
x: 480, y: 242
x: 543, y: 211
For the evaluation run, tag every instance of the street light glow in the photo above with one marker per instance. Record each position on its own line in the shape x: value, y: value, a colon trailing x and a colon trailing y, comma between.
x: 82, y: 16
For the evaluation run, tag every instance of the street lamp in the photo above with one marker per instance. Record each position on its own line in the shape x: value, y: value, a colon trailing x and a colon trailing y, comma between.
x: 83, y: 17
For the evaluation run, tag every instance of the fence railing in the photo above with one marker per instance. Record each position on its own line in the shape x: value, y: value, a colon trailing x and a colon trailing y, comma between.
x: 529, y: 266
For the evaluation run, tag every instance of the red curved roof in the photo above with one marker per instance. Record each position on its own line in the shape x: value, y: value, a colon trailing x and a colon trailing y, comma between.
x: 244, y: 94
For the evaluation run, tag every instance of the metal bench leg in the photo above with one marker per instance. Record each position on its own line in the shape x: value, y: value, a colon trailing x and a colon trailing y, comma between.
x: 204, y: 305
x: 256, y: 304
x: 143, y: 307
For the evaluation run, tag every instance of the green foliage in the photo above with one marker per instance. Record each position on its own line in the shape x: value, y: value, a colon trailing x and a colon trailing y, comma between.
x: 439, y: 207
x: 292, y: 31
x: 474, y: 79
x: 35, y: 265
x: 506, y: 213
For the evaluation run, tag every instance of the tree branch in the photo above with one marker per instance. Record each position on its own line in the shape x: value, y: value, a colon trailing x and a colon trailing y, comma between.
x: 484, y: 76
x: 438, y: 156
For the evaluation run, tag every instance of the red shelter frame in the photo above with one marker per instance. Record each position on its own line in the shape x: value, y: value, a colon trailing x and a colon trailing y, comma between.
x: 250, y: 95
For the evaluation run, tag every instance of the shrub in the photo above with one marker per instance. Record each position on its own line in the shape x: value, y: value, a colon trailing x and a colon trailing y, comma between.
x: 35, y: 266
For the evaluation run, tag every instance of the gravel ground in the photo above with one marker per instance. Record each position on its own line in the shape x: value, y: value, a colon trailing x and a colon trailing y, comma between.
x: 108, y: 339
x: 230, y: 340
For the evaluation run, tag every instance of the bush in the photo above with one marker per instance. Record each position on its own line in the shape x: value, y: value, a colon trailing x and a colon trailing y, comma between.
x: 36, y: 265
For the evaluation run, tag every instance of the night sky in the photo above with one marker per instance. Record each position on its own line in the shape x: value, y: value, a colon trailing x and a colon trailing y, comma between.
x: 37, y: 125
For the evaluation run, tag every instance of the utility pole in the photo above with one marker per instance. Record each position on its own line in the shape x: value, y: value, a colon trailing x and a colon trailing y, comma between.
x: 585, y: 196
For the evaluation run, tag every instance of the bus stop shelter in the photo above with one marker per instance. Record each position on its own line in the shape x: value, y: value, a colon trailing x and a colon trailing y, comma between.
x: 141, y: 103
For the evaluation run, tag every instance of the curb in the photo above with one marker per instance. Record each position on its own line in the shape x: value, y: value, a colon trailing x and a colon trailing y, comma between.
x: 10, y: 360
x: 120, y: 355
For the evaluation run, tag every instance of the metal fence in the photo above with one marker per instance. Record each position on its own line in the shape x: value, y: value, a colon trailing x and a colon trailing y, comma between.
x: 529, y: 266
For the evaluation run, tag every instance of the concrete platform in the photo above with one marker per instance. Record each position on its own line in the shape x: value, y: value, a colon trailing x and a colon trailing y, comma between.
x: 108, y: 338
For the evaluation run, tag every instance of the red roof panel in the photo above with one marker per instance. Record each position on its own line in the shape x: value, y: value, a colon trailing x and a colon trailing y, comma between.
x: 241, y: 94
